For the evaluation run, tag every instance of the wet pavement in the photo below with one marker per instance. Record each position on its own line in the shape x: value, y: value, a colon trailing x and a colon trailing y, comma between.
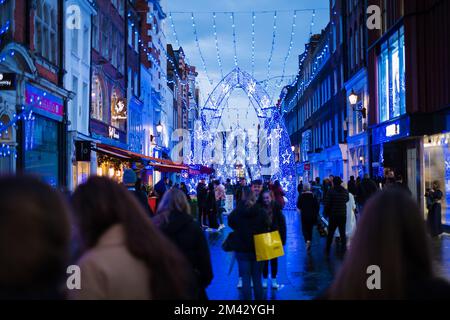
x: 302, y: 276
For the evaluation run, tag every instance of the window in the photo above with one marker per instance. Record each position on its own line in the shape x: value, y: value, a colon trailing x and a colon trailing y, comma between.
x: 86, y: 46
x: 391, y: 75
x: 97, y: 101
x: 105, y: 36
x: 114, y: 51
x: 74, y: 41
x: 130, y: 34
x: 85, y: 103
x: 95, y: 32
x: 121, y: 58
x: 6, y: 14
x: 74, y: 102
x: 5, y: 135
x: 45, y: 24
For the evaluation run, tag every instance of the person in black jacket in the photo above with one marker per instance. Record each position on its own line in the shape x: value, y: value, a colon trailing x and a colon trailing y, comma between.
x: 202, y: 195
x: 130, y: 180
x: 336, y: 210
x: 175, y: 221
x: 366, y: 189
x: 277, y: 223
x: 246, y: 221
x: 309, y: 207
x: 211, y: 207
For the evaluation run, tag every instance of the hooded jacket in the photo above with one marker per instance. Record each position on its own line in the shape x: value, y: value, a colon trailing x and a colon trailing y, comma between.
x: 246, y: 222
x: 187, y: 235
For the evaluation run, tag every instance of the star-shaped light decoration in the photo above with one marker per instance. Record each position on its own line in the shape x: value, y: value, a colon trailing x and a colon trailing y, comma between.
x: 278, y: 131
x: 284, y: 184
x: 286, y: 157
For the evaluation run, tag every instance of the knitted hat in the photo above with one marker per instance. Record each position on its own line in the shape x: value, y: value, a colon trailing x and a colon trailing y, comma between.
x: 129, y: 177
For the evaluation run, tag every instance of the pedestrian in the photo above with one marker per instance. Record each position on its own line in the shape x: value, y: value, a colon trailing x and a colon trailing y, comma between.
x: 246, y: 221
x: 366, y: 189
x: 309, y: 207
x: 326, y: 186
x: 124, y: 255
x: 160, y: 188
x: 202, y: 195
x: 211, y: 206
x: 185, y: 190
x: 130, y: 181
x: 220, y: 195
x: 278, y: 194
x: 34, y: 240
x: 350, y: 223
x: 277, y: 222
x: 390, y: 238
x: 316, y: 189
x: 336, y: 211
x: 300, y: 187
x: 175, y: 220
x: 256, y: 187
x: 239, y: 189
x: 433, y: 201
x: 352, y: 186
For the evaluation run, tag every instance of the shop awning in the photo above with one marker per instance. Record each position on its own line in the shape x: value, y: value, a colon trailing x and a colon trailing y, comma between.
x: 161, y: 165
x: 200, y: 169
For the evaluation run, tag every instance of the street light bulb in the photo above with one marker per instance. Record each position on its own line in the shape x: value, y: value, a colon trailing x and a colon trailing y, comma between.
x: 353, y: 98
x: 293, y: 148
x: 159, y: 127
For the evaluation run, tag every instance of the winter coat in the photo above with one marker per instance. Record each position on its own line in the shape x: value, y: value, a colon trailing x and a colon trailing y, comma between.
x: 309, y: 207
x: 366, y: 189
x: 246, y: 222
x: 141, y: 196
x: 219, y: 192
x: 110, y: 272
x: 351, y: 219
x: 187, y: 235
x: 278, y: 193
x: 160, y: 188
x: 202, y: 194
x: 336, y: 202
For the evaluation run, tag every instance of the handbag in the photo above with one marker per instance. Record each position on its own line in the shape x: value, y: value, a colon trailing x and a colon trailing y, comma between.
x: 229, y: 244
x: 268, y: 246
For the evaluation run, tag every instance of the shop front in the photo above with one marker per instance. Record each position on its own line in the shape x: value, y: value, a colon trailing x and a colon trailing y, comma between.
x: 358, y: 155
x: 436, y: 170
x: 43, y: 135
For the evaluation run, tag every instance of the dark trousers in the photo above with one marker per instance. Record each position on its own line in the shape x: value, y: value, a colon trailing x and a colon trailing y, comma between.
x: 202, y: 215
x: 307, y: 229
x: 250, y: 270
x: 274, y: 268
x: 337, y: 222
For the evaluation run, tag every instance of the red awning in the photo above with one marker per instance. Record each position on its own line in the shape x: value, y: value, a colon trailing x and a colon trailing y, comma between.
x: 161, y: 165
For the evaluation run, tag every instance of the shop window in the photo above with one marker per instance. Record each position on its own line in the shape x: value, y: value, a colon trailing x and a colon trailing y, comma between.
x: 391, y: 75
x: 41, y: 149
x: 118, y: 116
x: 5, y: 135
x: 98, y: 100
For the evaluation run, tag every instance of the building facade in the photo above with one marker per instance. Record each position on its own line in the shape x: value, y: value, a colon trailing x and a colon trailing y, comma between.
x: 77, y: 79
x: 33, y: 101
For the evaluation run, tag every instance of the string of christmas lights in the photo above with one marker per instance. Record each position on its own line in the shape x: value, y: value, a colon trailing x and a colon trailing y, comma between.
x: 253, y: 43
x: 291, y: 42
x: 233, y: 25
x: 219, y: 60
x: 274, y: 34
x: 194, y: 29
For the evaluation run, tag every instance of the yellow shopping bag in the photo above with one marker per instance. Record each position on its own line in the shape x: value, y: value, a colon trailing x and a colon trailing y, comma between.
x: 268, y: 246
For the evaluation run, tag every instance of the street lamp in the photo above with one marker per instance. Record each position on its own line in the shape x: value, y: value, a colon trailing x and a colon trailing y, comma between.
x: 293, y: 148
x: 353, y: 98
x: 159, y: 127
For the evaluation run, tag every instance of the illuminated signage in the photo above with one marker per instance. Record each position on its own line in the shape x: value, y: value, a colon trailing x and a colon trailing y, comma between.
x: 7, y: 81
x: 43, y: 100
x: 392, y: 130
x: 113, y: 133
x: 119, y: 109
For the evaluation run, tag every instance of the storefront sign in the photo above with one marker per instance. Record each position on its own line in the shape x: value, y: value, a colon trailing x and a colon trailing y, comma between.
x: 7, y: 81
x: 392, y: 130
x: 307, y: 167
x: 113, y: 133
x: 44, y: 102
x: 119, y: 109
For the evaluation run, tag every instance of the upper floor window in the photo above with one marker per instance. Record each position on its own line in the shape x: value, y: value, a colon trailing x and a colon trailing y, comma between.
x: 95, y: 32
x: 391, y: 75
x: 5, y: 135
x: 46, y: 34
x: 98, y: 100
x: 6, y: 14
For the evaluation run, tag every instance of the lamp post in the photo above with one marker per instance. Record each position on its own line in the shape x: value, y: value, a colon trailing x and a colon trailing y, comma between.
x: 353, y: 99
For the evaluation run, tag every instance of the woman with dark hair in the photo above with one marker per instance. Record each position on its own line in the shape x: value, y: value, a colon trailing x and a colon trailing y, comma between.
x: 246, y: 221
x: 278, y: 193
x: 277, y: 222
x: 434, y: 218
x: 125, y: 255
x: 175, y: 220
x: 309, y: 207
x: 34, y: 240
x: 390, y: 238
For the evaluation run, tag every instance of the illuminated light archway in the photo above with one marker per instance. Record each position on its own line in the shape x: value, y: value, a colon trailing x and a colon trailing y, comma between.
x: 274, y: 156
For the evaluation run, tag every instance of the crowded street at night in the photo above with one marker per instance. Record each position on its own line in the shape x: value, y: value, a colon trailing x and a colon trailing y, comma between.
x: 227, y: 158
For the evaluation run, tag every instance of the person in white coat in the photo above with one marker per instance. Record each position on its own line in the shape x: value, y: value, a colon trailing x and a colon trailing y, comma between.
x: 350, y: 225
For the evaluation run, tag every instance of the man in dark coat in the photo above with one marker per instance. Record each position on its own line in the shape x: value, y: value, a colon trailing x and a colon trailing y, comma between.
x: 336, y: 211
x: 202, y: 196
x: 190, y: 240
x: 366, y: 189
